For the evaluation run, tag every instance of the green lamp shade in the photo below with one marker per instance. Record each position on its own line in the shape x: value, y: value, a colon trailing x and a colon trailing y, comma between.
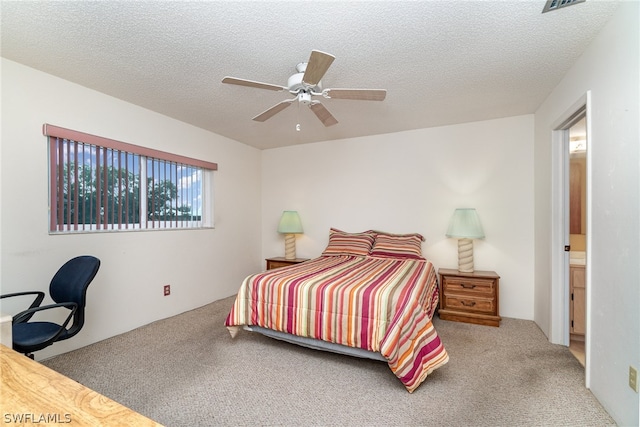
x: 290, y: 223
x: 465, y: 224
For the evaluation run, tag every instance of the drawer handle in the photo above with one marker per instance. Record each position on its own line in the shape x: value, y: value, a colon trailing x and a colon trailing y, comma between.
x: 468, y: 304
x: 466, y: 286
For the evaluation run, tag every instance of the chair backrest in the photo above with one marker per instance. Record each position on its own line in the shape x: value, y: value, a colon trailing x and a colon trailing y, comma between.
x: 70, y: 284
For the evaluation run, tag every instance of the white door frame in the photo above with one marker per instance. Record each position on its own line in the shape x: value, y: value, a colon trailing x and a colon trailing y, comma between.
x: 559, y: 331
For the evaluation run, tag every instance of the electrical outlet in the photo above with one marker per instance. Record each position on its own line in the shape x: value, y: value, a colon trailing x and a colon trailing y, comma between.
x: 633, y: 378
x: 167, y: 290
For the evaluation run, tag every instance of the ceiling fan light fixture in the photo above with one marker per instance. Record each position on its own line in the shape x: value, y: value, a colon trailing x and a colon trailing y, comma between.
x: 304, y: 98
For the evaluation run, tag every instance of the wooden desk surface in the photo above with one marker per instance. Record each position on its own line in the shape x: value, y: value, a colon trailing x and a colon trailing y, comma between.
x: 33, y: 393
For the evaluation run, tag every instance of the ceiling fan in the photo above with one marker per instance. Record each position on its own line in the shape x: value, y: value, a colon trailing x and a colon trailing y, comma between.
x: 305, y: 85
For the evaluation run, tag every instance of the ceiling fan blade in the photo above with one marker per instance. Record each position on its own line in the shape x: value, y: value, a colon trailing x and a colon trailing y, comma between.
x: 273, y: 110
x: 357, y: 94
x: 318, y: 64
x: 251, y: 83
x: 322, y: 113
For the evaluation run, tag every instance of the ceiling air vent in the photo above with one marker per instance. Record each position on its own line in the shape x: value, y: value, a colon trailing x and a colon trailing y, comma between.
x: 557, y: 4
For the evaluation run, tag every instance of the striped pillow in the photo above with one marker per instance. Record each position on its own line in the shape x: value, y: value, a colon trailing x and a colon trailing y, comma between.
x: 342, y: 243
x: 397, y: 246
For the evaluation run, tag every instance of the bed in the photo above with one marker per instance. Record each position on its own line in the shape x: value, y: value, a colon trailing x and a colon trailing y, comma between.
x: 369, y: 294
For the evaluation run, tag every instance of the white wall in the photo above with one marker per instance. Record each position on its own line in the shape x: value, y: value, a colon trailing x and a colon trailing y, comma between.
x: 201, y: 265
x: 412, y: 182
x: 609, y: 70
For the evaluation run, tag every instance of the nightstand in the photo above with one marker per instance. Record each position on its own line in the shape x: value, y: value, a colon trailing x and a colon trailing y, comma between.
x: 278, y: 262
x: 469, y: 297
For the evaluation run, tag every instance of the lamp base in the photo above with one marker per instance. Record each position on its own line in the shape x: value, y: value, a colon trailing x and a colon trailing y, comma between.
x: 465, y: 255
x: 290, y: 246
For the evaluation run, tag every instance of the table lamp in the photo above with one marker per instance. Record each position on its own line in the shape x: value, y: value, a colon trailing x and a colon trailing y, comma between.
x: 290, y: 225
x: 465, y: 226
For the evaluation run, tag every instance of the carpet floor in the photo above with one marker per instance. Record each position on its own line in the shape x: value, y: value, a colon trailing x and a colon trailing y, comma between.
x: 187, y: 371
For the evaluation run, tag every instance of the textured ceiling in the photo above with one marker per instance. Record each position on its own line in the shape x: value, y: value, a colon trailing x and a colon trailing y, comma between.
x: 442, y: 62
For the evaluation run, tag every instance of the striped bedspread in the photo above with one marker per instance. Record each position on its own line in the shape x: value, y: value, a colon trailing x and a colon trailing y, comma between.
x: 377, y: 304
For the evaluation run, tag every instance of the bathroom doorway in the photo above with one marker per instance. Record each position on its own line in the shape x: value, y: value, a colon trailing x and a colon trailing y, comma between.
x: 577, y: 237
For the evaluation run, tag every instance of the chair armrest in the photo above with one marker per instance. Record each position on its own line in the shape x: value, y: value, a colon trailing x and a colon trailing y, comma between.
x: 39, y: 296
x: 72, y: 306
x: 26, y: 315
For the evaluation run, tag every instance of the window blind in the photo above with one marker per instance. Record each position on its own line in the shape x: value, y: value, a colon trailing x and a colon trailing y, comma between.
x: 99, y: 184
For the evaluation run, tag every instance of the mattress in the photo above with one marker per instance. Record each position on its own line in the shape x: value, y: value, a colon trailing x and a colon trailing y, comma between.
x: 377, y: 304
x: 316, y: 344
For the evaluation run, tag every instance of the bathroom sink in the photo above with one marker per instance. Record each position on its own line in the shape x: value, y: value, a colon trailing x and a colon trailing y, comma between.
x: 576, y: 257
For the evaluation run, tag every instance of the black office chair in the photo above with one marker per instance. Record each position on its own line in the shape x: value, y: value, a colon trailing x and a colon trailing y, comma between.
x: 68, y: 289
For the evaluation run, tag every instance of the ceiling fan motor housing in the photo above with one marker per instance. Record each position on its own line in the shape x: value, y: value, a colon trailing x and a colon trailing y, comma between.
x: 295, y: 84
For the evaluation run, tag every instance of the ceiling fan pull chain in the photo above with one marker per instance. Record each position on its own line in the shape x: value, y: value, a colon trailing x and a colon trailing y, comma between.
x: 298, y: 124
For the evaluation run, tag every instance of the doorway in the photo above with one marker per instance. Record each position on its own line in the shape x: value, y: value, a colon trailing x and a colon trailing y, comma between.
x: 561, y: 237
x: 577, y: 237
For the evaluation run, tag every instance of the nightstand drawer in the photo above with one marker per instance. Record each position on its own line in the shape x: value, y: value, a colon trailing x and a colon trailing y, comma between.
x: 467, y: 286
x: 279, y: 262
x: 469, y: 304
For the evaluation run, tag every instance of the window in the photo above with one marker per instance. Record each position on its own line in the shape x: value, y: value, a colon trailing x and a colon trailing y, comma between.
x: 98, y: 184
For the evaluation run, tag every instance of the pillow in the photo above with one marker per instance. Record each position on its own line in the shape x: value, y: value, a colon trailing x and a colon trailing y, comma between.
x: 389, y: 245
x: 343, y: 243
x: 377, y: 232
